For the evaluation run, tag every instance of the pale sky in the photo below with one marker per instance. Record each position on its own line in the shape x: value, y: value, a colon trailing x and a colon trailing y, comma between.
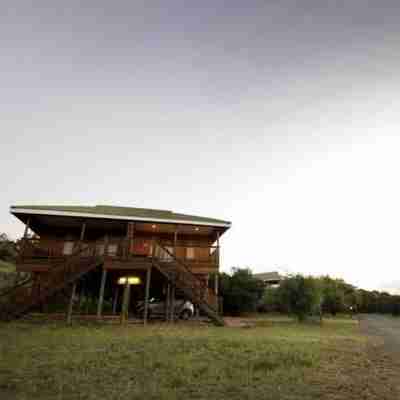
x: 280, y: 116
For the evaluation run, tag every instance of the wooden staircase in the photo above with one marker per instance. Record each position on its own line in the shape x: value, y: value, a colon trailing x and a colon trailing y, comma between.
x: 182, y: 277
x: 21, y: 298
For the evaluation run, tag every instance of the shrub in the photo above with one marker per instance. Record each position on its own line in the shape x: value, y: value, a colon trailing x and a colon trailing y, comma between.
x: 300, y: 295
x: 270, y: 301
x: 241, y: 292
x: 396, y: 309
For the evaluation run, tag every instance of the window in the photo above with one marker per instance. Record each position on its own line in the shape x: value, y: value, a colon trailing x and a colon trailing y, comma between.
x: 100, y: 249
x: 190, y: 253
x: 165, y: 255
x: 112, y: 250
x: 168, y: 256
x: 68, y: 248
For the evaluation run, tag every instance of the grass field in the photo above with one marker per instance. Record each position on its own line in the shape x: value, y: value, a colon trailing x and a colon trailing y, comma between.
x: 6, y: 266
x: 273, y: 360
x: 7, y: 274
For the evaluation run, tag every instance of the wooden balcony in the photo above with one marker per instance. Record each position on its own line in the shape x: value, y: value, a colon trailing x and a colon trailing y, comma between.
x: 118, y: 253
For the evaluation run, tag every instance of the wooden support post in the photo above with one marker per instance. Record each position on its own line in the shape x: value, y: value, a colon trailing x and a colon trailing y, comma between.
x: 130, y: 232
x: 217, y: 250
x: 106, y: 246
x: 83, y: 230
x: 146, y: 299
x: 84, y: 294
x: 71, y: 304
x: 216, y: 277
x: 81, y: 296
x: 175, y: 239
x: 25, y: 237
x: 101, y: 293
x: 167, y: 301
x: 172, y: 315
x: 87, y: 302
x: 126, y: 247
x: 127, y: 241
x: 125, y: 303
x: 115, y: 301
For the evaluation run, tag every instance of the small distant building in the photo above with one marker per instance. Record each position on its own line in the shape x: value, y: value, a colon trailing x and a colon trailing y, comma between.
x: 270, y: 279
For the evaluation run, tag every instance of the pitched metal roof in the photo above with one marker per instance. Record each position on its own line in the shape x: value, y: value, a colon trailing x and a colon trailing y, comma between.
x: 127, y: 213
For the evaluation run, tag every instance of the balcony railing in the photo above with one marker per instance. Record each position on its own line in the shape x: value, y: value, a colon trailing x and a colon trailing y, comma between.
x: 44, y: 250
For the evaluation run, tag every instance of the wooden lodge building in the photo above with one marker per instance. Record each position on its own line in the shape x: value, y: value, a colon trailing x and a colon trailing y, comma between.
x: 150, y: 250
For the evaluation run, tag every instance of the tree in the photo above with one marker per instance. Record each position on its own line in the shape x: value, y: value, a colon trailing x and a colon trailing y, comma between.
x: 270, y: 300
x: 300, y: 295
x: 396, y: 306
x: 333, y: 295
x: 8, y: 248
x: 241, y: 292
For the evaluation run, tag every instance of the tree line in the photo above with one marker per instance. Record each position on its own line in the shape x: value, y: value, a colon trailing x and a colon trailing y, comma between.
x: 302, y: 296
x: 297, y: 294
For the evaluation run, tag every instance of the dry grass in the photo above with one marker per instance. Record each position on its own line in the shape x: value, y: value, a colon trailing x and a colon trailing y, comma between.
x: 272, y: 360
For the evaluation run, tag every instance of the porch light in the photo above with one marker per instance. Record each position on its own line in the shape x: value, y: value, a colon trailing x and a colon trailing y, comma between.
x: 132, y: 280
x: 154, y: 226
x: 197, y: 228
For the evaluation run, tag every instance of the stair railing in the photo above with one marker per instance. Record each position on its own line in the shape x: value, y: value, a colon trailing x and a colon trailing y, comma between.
x: 60, y: 274
x: 185, y: 276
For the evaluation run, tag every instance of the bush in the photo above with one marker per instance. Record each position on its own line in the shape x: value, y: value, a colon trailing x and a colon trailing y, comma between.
x: 270, y: 301
x: 241, y: 292
x: 332, y: 296
x: 300, y: 295
x: 8, y: 248
x: 396, y: 309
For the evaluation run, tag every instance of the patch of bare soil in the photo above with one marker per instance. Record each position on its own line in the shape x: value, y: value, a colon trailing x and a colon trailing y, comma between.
x: 237, y: 322
x: 367, y: 372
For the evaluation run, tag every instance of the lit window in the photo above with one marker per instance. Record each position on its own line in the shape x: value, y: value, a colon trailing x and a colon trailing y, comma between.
x: 100, y: 249
x: 190, y: 253
x: 112, y: 250
x: 68, y: 248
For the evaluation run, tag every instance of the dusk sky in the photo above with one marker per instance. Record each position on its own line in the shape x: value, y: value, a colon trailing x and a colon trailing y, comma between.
x: 280, y: 116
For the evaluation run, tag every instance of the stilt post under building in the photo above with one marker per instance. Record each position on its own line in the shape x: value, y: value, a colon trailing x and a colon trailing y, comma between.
x: 101, y: 293
x: 125, y: 303
x: 146, y: 300
x: 115, y: 301
x: 71, y: 304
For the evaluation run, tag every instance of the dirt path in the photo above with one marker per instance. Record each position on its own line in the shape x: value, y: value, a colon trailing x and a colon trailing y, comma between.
x: 383, y: 353
x: 386, y: 328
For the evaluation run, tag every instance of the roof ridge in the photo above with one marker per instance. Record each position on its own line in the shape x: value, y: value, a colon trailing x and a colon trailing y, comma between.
x: 132, y: 208
x: 120, y: 212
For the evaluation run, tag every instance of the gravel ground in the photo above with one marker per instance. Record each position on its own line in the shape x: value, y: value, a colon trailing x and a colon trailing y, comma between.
x: 385, y: 328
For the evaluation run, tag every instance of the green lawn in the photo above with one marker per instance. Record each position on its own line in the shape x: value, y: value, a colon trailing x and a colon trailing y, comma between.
x: 6, y: 266
x: 7, y: 275
x: 273, y: 360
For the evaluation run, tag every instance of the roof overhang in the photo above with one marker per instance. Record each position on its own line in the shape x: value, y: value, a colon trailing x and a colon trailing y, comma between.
x: 26, y: 211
